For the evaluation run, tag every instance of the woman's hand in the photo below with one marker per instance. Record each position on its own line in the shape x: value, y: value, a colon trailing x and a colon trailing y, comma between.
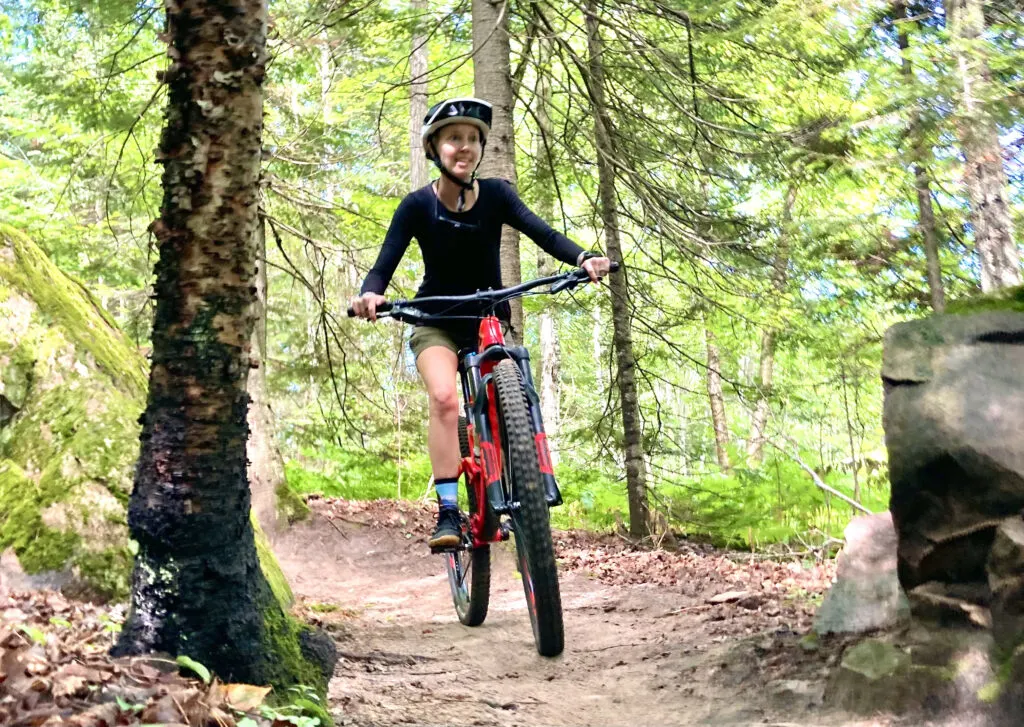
x: 597, y: 267
x: 365, y: 305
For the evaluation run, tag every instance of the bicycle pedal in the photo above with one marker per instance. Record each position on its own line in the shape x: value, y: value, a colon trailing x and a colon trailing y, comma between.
x: 437, y: 549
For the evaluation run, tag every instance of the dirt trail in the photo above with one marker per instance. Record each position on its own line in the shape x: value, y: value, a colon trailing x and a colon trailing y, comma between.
x: 643, y: 645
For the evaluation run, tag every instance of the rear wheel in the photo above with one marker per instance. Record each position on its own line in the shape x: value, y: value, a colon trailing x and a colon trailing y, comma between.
x: 469, y: 568
x: 530, y: 523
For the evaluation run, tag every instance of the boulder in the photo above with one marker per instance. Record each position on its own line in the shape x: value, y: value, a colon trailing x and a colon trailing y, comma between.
x: 67, y: 451
x: 866, y: 595
x: 1006, y: 581
x: 922, y: 672
x: 953, y: 416
x: 74, y: 388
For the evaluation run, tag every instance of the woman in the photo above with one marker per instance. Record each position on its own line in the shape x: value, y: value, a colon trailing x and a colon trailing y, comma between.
x: 457, y: 222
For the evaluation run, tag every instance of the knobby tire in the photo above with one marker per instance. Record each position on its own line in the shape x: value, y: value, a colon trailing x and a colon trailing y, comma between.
x: 530, y: 521
x: 471, y: 602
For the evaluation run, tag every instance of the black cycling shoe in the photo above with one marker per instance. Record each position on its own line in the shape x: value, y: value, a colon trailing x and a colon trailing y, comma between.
x: 448, y: 533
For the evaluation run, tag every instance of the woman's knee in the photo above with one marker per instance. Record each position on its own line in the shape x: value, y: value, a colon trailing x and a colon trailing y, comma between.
x: 444, y: 402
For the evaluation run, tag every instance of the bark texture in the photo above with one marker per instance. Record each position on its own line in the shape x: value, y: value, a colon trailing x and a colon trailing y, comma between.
x: 921, y: 157
x: 492, y: 80
x: 984, y: 175
x: 766, y: 367
x: 197, y: 587
x: 622, y: 334
x: 717, y: 399
x: 418, y: 61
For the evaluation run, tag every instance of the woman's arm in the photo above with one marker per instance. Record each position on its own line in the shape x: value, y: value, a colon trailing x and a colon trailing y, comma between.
x: 396, y: 242
x: 519, y: 216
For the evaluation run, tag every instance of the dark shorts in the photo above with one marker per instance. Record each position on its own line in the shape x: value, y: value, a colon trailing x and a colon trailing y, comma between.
x: 424, y: 337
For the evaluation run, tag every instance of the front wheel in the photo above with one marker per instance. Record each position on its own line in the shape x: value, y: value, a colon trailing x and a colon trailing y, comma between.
x: 530, y: 523
x: 469, y: 568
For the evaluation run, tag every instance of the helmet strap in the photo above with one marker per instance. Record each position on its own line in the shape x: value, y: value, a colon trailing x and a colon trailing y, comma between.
x: 464, y: 185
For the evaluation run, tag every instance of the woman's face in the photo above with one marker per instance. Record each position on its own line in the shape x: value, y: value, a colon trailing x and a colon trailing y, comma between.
x: 459, y: 147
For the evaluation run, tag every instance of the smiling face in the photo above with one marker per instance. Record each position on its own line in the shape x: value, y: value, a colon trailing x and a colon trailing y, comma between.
x: 460, y: 148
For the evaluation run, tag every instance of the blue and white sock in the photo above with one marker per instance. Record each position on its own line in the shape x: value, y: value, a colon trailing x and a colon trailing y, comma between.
x: 447, y: 489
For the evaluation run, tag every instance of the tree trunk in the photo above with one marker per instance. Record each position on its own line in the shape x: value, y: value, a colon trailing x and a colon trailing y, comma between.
x: 984, y: 175
x: 715, y: 395
x: 266, y: 466
x: 550, y: 350
x: 197, y: 587
x: 766, y: 369
x: 622, y: 334
x: 418, y: 61
x: 920, y: 157
x: 492, y: 80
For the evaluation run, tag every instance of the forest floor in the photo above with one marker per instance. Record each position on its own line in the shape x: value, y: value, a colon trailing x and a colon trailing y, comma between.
x: 688, y: 636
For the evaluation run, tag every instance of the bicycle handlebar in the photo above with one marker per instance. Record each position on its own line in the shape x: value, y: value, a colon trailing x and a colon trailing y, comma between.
x: 563, y: 281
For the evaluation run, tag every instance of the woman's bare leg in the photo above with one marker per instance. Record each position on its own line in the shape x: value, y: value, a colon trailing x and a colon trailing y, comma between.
x: 438, y: 367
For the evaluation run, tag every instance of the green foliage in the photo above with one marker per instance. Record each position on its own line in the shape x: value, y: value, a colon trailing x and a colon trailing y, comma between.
x: 763, y: 161
x: 357, y: 475
x: 1006, y: 299
x: 187, y: 662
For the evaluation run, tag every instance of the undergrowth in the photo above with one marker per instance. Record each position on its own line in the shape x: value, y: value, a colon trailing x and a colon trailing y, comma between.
x: 775, y: 503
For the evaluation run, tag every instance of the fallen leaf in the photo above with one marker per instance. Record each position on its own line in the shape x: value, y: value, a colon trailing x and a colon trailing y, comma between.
x: 728, y: 596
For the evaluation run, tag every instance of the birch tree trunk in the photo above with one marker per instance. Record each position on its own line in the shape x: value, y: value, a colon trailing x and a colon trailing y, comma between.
x: 717, y: 399
x: 622, y: 335
x: 766, y: 367
x: 984, y: 175
x: 921, y: 157
x: 197, y: 586
x: 266, y: 465
x: 492, y: 80
x: 550, y: 350
x: 418, y: 61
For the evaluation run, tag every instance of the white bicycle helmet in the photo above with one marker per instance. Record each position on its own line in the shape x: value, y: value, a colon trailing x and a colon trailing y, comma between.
x: 455, y: 111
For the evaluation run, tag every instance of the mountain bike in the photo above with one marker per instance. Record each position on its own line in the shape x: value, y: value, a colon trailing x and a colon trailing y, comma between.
x: 506, y: 460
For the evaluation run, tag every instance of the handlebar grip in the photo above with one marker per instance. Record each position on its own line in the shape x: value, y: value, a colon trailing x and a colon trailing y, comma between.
x: 614, y: 267
x: 382, y: 308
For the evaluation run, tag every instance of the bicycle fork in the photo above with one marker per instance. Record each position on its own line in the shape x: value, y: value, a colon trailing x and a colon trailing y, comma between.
x: 476, y: 389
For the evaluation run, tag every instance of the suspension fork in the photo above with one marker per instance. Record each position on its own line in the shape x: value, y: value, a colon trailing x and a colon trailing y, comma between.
x: 551, y: 492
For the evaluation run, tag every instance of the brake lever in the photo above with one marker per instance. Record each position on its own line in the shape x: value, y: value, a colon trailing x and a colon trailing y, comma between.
x: 577, y: 277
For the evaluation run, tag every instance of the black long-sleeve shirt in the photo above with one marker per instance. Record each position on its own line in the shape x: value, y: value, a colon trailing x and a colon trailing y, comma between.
x: 461, y: 250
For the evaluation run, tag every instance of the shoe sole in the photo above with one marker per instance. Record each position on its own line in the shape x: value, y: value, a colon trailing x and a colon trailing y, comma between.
x: 444, y: 542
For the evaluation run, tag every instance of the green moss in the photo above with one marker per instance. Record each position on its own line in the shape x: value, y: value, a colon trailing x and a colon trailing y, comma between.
x: 270, y: 567
x: 1004, y: 299
x: 72, y: 307
x: 288, y: 666
x: 38, y: 547
x: 290, y: 505
x: 107, y: 572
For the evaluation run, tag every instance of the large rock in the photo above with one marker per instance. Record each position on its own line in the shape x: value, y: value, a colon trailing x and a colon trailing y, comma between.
x: 954, y: 418
x: 68, y: 450
x: 920, y: 672
x: 72, y: 388
x: 1006, y: 581
x: 866, y: 595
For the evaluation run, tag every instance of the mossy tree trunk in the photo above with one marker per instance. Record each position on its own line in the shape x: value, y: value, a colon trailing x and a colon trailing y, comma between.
x: 197, y: 587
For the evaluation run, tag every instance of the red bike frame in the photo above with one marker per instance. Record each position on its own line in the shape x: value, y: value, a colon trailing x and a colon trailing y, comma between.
x: 489, y: 468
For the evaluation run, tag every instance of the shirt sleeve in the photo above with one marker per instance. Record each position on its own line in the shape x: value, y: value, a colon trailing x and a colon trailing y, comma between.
x: 396, y: 242
x: 519, y: 216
